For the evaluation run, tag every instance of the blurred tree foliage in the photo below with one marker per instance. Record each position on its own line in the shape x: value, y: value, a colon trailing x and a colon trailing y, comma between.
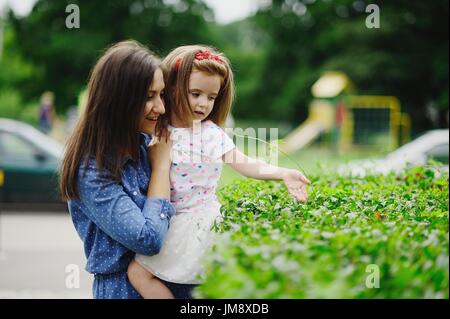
x: 65, y: 56
x: 15, y: 74
x: 277, y: 54
x: 406, y: 57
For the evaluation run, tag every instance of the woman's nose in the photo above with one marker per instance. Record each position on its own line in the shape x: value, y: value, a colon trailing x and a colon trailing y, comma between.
x: 159, y: 106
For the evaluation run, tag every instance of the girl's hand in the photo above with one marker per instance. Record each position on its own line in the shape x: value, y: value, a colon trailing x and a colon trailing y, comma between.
x: 296, y: 184
x: 159, y: 155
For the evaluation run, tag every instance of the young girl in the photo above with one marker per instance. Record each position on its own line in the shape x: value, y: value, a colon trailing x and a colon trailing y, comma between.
x: 199, y: 94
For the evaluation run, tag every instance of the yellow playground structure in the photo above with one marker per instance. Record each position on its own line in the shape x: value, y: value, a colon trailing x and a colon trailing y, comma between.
x: 346, y: 120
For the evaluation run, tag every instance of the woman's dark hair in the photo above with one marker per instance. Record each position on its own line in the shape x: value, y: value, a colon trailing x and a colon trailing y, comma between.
x: 108, y: 129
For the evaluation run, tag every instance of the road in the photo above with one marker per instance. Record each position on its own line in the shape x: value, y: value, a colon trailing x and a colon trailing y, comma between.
x: 41, y: 256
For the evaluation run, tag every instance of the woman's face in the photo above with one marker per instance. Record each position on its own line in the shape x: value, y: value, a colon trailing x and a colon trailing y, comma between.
x: 155, y: 105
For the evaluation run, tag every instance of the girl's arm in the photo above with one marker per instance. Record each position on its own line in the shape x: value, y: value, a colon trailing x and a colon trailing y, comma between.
x: 249, y: 167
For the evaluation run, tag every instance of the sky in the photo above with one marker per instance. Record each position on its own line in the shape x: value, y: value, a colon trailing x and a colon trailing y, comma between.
x: 231, y: 10
x: 225, y: 11
x: 20, y: 7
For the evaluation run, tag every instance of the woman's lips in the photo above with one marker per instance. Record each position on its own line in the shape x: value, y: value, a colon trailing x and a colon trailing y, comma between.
x: 152, y: 120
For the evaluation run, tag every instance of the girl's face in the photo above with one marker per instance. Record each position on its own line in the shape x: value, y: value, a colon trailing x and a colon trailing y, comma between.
x: 203, y: 90
x: 154, y: 107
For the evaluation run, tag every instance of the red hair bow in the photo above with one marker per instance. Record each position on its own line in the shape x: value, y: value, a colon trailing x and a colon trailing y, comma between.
x: 217, y: 58
x: 177, y: 64
x: 203, y: 55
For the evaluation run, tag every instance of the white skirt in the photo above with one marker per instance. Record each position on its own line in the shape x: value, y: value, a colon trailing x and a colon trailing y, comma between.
x: 187, y: 241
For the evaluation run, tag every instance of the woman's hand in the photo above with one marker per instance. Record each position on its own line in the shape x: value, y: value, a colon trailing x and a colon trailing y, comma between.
x: 296, y: 184
x: 159, y: 155
x: 160, y: 160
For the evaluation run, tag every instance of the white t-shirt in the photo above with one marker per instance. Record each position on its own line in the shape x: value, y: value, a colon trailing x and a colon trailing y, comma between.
x: 197, y: 165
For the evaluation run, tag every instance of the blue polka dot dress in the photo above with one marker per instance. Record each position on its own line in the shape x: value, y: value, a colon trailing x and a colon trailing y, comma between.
x: 116, y: 220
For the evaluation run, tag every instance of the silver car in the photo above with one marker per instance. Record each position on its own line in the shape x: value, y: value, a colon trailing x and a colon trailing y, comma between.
x: 433, y: 145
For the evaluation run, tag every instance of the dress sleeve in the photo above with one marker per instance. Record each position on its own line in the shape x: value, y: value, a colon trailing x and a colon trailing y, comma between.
x: 228, y: 143
x: 115, y: 213
x: 217, y: 141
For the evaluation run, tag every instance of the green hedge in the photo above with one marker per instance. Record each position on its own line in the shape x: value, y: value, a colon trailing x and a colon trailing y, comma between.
x: 273, y: 247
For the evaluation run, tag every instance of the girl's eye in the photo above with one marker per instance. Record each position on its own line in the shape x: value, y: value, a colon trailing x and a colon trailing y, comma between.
x: 195, y: 94
x: 212, y: 98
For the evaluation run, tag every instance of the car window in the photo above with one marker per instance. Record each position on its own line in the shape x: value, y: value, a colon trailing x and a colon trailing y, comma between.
x: 439, y: 153
x: 13, y: 146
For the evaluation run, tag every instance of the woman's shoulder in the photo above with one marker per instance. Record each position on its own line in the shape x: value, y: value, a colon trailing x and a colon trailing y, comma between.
x: 88, y: 170
x: 87, y: 163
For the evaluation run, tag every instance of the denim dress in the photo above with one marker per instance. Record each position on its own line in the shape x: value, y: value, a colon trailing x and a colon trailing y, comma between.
x: 117, y: 220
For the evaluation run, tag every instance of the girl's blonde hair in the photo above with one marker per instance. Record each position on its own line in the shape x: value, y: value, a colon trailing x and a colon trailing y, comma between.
x: 177, y: 68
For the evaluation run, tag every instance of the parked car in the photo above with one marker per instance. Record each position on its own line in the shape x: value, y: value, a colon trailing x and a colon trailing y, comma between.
x: 29, y: 163
x: 433, y: 145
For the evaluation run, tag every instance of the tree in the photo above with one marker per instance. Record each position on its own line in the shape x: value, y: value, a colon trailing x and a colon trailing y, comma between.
x: 66, y: 55
x: 406, y: 57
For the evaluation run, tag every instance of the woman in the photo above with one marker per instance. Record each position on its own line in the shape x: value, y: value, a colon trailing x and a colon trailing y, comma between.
x: 117, y: 187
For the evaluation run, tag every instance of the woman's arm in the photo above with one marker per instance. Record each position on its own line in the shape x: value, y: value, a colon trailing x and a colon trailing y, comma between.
x: 114, y: 212
x: 160, y: 161
x: 249, y: 167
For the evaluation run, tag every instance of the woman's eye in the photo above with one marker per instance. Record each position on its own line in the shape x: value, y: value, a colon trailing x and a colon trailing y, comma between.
x: 149, y: 97
x: 195, y: 94
x: 212, y: 98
